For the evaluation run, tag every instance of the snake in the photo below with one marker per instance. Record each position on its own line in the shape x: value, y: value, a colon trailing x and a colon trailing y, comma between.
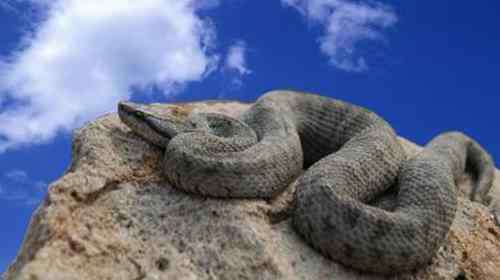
x: 359, y: 199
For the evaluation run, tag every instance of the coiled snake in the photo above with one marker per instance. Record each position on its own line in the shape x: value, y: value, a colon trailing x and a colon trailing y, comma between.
x: 352, y: 157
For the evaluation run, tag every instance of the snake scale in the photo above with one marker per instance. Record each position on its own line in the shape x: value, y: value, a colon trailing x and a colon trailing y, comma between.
x: 352, y: 158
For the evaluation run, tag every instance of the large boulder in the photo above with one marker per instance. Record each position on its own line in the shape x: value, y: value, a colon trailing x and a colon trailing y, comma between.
x: 113, y: 216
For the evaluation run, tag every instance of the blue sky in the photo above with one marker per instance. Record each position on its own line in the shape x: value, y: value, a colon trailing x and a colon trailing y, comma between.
x: 425, y: 66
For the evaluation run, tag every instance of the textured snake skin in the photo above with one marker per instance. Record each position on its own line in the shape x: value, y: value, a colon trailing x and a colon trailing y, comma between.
x: 352, y: 157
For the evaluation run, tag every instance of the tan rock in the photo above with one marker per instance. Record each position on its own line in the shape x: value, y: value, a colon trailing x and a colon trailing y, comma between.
x: 113, y: 216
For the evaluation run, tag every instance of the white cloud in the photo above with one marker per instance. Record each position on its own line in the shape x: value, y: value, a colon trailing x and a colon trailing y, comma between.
x: 236, y: 58
x: 235, y: 63
x: 346, y: 23
x: 17, y: 187
x: 86, y: 55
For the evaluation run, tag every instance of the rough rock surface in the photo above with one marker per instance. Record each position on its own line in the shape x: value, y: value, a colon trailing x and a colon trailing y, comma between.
x: 113, y: 216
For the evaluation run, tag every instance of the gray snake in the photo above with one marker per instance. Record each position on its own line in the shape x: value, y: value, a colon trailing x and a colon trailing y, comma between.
x: 352, y: 158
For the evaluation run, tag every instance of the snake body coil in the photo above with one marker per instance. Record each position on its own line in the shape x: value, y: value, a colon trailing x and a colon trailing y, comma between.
x: 353, y: 157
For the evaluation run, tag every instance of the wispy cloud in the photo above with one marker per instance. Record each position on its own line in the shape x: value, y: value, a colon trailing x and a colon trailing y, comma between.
x: 25, y: 13
x: 86, y: 55
x: 9, y: 6
x: 236, y: 58
x: 346, y: 23
x: 17, y: 187
x: 235, y: 62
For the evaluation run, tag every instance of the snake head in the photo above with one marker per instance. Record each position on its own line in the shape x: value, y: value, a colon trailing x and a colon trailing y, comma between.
x: 156, y: 129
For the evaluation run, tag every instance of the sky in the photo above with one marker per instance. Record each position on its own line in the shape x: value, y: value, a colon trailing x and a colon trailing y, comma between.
x: 425, y: 66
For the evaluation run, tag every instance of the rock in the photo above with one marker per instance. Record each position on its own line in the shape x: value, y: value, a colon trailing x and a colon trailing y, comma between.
x: 113, y: 216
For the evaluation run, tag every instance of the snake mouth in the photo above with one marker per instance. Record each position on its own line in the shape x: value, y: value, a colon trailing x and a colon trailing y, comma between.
x: 128, y: 107
x: 158, y: 130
